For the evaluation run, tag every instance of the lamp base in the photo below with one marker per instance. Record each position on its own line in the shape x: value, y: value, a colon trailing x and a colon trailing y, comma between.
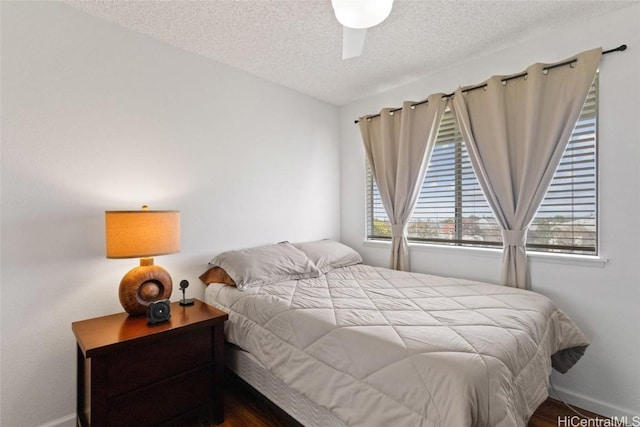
x: 143, y: 285
x: 188, y: 301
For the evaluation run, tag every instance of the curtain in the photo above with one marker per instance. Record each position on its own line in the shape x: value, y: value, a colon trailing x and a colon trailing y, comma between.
x: 399, y: 145
x: 516, y: 131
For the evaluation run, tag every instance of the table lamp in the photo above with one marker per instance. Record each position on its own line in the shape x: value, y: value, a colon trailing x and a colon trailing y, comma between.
x: 142, y: 234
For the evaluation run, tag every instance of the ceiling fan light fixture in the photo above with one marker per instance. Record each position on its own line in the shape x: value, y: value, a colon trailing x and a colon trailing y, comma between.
x: 361, y: 14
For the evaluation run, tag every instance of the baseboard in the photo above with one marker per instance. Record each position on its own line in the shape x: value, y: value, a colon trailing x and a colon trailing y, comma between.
x: 66, y: 421
x: 593, y: 405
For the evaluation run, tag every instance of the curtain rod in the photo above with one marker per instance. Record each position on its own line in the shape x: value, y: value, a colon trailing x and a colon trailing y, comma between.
x: 620, y: 48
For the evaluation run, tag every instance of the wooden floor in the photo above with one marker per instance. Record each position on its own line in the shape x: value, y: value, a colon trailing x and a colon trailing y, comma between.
x: 550, y: 412
x: 244, y: 407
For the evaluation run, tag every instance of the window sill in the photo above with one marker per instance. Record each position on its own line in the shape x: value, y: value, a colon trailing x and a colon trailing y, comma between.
x: 541, y: 257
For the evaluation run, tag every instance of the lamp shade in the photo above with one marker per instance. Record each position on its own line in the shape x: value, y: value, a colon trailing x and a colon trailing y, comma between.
x: 140, y: 234
x: 361, y: 14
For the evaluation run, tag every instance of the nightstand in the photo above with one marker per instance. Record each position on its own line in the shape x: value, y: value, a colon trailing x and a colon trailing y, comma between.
x: 134, y: 374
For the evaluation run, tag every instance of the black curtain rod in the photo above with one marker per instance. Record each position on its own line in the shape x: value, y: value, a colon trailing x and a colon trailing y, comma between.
x: 620, y: 48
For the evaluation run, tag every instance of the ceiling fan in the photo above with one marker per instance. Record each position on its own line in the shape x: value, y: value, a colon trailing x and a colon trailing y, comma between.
x: 356, y: 16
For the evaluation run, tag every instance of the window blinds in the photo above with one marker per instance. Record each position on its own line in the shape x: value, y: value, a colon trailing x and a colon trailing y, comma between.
x: 452, y: 210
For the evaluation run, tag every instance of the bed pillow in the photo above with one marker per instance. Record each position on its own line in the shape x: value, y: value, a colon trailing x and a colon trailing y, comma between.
x: 329, y: 254
x: 217, y: 275
x: 265, y: 264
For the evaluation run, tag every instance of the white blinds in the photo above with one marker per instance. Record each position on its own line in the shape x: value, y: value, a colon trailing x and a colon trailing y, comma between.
x: 452, y: 210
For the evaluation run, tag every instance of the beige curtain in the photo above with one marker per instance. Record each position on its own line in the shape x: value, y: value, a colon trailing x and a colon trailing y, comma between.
x: 398, y: 146
x: 516, y: 132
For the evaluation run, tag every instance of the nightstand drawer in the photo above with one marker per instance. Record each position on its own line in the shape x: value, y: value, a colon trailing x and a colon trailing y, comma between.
x: 147, y: 363
x: 161, y: 401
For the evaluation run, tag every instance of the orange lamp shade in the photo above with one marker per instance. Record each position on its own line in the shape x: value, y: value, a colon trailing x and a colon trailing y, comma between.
x: 141, y: 234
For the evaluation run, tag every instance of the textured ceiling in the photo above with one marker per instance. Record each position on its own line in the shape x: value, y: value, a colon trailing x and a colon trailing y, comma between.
x: 298, y: 43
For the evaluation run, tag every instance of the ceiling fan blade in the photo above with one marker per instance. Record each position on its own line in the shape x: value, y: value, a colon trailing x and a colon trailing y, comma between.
x: 352, y: 42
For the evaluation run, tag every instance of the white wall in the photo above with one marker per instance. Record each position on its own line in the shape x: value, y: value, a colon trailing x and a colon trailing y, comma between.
x: 95, y: 117
x: 603, y: 300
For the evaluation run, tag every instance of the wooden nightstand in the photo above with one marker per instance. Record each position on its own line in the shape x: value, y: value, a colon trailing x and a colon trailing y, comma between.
x: 133, y: 374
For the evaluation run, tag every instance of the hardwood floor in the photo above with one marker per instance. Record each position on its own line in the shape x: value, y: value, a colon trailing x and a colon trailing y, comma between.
x: 244, y: 407
x: 552, y: 411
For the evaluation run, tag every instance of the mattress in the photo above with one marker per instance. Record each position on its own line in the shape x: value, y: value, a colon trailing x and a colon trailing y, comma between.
x: 379, y: 347
x: 306, y: 412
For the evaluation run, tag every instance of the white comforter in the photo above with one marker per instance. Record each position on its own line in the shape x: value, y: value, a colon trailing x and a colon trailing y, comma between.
x: 379, y: 347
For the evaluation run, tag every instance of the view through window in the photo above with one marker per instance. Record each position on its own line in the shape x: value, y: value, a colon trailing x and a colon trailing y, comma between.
x: 452, y: 209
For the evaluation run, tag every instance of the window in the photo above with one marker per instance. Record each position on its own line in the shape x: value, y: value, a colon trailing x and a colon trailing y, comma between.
x: 452, y: 210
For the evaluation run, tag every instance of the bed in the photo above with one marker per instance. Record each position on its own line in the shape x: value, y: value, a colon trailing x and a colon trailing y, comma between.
x: 368, y: 346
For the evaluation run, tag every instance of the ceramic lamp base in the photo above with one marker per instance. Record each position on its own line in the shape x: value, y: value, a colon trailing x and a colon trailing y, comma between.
x: 143, y: 285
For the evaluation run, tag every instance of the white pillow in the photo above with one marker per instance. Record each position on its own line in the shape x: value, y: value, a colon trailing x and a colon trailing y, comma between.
x: 329, y: 254
x: 265, y: 264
